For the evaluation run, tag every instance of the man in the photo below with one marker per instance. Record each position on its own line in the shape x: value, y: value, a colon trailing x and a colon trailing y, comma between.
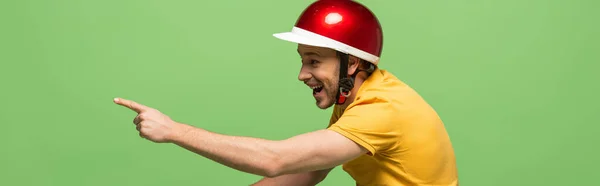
x: 381, y: 131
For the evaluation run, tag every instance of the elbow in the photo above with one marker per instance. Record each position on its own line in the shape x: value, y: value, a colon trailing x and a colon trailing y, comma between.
x: 273, y: 168
x: 271, y: 173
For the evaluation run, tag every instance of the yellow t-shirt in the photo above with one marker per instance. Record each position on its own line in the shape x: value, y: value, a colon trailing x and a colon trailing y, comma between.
x: 407, y: 141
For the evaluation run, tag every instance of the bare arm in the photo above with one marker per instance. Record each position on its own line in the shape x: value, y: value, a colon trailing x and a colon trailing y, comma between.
x: 318, y: 150
x: 322, y: 149
x: 298, y: 179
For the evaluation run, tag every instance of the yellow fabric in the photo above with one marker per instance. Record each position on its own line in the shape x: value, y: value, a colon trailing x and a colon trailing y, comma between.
x: 407, y: 141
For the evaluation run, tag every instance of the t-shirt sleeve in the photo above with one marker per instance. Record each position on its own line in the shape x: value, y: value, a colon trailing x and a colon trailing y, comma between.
x: 369, y: 123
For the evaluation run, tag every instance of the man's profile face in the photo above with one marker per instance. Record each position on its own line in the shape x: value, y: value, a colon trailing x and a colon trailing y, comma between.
x: 320, y: 71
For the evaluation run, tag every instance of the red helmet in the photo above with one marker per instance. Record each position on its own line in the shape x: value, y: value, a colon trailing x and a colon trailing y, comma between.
x: 342, y: 25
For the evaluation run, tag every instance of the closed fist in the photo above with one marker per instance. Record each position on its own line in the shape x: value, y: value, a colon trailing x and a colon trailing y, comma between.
x: 151, y: 123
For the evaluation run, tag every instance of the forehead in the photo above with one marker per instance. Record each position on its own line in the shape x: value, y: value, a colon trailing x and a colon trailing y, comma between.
x: 306, y: 50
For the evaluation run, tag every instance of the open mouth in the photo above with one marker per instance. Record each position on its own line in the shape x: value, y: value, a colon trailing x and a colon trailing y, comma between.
x: 317, y: 89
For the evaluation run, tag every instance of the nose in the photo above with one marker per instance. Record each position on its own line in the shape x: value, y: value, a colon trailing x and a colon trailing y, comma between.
x: 305, y: 74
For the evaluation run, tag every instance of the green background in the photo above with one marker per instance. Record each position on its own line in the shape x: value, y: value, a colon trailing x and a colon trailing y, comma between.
x: 516, y: 83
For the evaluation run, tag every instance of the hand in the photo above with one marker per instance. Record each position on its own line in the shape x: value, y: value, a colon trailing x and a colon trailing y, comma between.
x: 151, y: 123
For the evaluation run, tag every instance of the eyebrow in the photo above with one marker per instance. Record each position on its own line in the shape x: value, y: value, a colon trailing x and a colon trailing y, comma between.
x: 309, y: 53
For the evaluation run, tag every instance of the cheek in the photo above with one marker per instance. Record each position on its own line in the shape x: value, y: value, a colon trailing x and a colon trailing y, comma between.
x: 332, y: 86
x: 327, y: 76
x: 322, y: 76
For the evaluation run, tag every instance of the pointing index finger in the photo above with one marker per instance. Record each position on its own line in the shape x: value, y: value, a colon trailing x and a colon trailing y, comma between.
x: 131, y: 105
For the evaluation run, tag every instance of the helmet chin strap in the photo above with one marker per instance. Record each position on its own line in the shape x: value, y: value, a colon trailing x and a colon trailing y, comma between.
x: 346, y: 82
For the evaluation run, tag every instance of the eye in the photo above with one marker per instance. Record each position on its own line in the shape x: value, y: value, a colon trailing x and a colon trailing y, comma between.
x: 313, y: 62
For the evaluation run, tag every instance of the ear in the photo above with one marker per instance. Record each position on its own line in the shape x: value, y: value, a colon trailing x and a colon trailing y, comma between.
x: 353, y: 63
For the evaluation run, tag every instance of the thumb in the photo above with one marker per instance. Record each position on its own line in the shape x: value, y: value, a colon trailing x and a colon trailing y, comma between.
x: 131, y: 105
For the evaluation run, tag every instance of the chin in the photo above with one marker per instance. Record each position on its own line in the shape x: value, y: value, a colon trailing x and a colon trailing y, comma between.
x: 324, y: 104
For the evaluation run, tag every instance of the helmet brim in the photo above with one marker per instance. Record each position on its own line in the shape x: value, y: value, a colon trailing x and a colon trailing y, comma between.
x: 299, y: 39
x: 301, y: 36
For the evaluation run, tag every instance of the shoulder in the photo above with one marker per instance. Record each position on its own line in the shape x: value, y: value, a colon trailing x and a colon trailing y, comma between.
x: 386, y: 92
x: 383, y: 87
x: 392, y: 105
x: 384, y: 110
x: 374, y: 118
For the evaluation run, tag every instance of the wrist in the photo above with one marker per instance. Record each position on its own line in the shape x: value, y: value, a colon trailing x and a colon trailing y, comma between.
x: 179, y: 132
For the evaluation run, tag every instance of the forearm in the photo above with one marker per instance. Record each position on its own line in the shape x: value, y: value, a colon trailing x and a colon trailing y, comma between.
x: 251, y: 155
x: 307, y: 152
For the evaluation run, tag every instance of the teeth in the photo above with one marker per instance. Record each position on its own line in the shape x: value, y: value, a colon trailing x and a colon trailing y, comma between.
x: 314, y: 87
